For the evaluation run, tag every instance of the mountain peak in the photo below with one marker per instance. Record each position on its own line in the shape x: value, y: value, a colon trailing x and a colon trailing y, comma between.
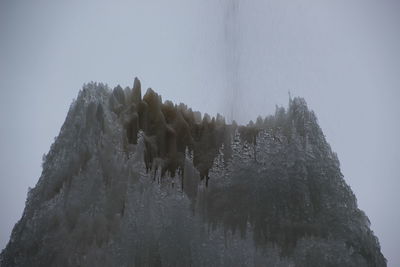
x: 135, y: 181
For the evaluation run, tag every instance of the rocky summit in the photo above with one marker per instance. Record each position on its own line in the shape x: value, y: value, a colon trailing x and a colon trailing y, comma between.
x: 135, y: 181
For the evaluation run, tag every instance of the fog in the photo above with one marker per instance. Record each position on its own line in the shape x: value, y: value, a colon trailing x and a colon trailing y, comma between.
x: 238, y: 58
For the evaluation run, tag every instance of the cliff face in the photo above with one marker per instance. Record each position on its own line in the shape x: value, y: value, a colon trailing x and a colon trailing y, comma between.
x: 133, y: 181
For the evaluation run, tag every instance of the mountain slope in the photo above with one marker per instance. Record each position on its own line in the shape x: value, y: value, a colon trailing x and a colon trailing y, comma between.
x: 133, y: 181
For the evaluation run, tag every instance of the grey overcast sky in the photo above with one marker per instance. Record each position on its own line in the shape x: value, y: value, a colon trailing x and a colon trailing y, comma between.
x: 342, y: 56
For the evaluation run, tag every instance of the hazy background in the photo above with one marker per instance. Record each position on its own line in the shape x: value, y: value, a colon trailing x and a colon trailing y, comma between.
x: 342, y: 56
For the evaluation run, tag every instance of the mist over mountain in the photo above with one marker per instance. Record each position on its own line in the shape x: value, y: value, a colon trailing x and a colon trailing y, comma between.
x: 135, y: 181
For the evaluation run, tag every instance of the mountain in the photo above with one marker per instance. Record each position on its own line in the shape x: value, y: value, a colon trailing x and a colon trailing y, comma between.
x: 135, y: 181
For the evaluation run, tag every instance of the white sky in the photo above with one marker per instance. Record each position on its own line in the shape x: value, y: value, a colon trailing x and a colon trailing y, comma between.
x: 342, y: 56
